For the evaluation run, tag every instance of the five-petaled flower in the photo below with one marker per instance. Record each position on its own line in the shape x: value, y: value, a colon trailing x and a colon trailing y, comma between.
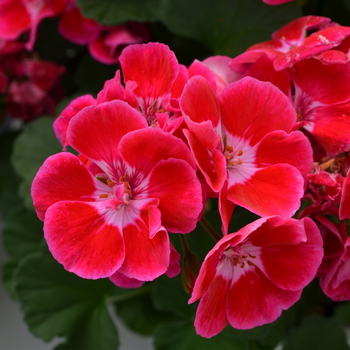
x: 244, y: 145
x: 251, y: 275
x: 109, y: 209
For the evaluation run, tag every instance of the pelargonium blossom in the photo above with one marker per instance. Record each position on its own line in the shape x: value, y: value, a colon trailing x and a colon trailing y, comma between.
x: 291, y: 44
x: 251, y: 275
x: 18, y: 16
x: 244, y: 145
x: 154, y: 81
x: 334, y: 271
x: 109, y: 209
x: 276, y: 2
x: 150, y: 74
x: 313, y: 72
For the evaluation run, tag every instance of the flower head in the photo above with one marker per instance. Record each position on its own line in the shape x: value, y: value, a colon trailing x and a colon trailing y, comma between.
x: 110, y: 208
x: 251, y: 275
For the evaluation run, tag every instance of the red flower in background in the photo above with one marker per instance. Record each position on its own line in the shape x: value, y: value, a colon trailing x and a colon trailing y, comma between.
x: 19, y: 16
x: 313, y: 71
x: 105, y: 43
x: 34, y: 88
x: 276, y: 2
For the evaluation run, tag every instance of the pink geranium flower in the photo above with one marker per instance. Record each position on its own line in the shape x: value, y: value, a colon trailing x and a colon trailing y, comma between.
x: 291, y: 44
x: 34, y: 89
x: 322, y: 101
x: 250, y: 276
x: 335, y: 269
x: 152, y: 76
x: 312, y: 74
x: 78, y: 29
x: 110, y: 44
x: 150, y: 71
x: 18, y: 16
x: 276, y: 2
x: 112, y: 212
x: 243, y: 143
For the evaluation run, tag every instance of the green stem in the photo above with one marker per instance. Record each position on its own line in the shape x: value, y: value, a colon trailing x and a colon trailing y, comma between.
x: 210, y: 229
x: 132, y: 294
x: 184, y: 243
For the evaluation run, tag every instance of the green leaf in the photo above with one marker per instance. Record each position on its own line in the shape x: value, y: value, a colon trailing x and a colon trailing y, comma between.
x: 139, y: 313
x: 169, y: 295
x: 181, y: 335
x: 317, y: 332
x: 8, y: 178
x: 96, y: 331
x: 58, y: 303
x: 111, y: 12
x: 22, y: 235
x: 228, y: 27
x: 36, y: 143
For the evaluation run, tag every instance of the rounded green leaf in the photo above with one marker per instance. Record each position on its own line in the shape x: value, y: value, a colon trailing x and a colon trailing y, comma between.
x: 58, y: 303
x: 228, y: 27
x: 31, y: 148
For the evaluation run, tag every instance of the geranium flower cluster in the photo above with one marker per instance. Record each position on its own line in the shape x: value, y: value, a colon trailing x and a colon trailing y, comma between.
x: 23, y: 17
x: 31, y: 86
x: 262, y: 131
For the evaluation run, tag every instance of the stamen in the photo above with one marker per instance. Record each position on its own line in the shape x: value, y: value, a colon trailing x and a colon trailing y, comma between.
x: 110, y: 183
x: 104, y: 195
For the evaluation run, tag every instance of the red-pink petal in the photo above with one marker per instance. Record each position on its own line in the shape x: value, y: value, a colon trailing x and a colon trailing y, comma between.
x: 295, y: 32
x: 212, y: 164
x: 276, y: 2
x: 224, y: 75
x: 201, y: 111
x: 211, y: 312
x: 254, y: 301
x: 143, y: 149
x: 330, y: 125
x: 320, y: 83
x: 60, y: 125
x: 82, y: 241
x: 197, y: 68
x: 198, y: 101
x: 176, y: 186
x: 251, y: 108
x: 291, y: 254
x: 278, y: 147
x: 14, y: 19
x: 145, y: 258
x: 96, y: 130
x: 123, y: 281
x: 152, y: 66
x: 75, y: 27
x: 275, y: 190
x: 344, y: 210
x: 264, y: 70
x: 61, y: 177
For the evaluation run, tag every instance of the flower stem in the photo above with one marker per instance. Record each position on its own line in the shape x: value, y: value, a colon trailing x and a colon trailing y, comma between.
x: 131, y: 294
x: 210, y: 229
